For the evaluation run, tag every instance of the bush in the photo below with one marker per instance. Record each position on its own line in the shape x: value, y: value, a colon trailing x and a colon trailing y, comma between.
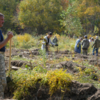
x: 24, y: 79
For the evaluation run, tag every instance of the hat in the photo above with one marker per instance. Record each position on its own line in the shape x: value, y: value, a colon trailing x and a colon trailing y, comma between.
x: 49, y: 33
x: 92, y: 38
x: 85, y: 36
x: 96, y: 37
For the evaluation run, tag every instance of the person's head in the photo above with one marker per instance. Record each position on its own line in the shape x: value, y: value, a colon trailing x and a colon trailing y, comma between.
x: 1, y: 19
x: 92, y: 39
x: 85, y: 36
x: 81, y: 38
x: 97, y: 37
x: 49, y: 34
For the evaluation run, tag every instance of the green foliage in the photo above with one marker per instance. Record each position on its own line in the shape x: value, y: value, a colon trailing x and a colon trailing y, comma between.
x: 8, y: 8
x: 70, y: 22
x: 88, y: 71
x: 40, y: 14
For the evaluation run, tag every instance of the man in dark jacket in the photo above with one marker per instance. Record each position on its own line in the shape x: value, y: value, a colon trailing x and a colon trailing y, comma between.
x: 3, y: 42
x: 85, y: 45
x: 96, y: 45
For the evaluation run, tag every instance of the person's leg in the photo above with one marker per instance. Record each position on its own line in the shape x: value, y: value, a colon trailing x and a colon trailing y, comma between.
x: 86, y: 52
x: 83, y: 52
x: 96, y: 51
x: 3, y: 82
x: 93, y: 51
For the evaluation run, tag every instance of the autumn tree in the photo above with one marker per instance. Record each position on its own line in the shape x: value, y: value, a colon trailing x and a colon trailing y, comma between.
x: 89, y: 13
x: 42, y: 15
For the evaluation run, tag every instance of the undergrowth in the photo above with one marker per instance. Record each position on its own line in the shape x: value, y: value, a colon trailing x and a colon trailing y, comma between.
x: 23, y: 80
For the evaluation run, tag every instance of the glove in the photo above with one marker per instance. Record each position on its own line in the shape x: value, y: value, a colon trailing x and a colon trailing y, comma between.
x: 56, y: 44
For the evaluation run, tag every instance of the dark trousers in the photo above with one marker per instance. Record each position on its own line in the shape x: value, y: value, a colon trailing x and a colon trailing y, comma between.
x: 95, y: 49
x: 84, y: 51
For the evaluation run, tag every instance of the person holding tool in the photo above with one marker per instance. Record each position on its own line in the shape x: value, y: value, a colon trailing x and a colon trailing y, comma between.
x: 46, y: 42
x: 3, y: 42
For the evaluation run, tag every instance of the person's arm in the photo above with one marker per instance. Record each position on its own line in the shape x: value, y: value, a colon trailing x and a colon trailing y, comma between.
x: 51, y: 42
x: 9, y: 36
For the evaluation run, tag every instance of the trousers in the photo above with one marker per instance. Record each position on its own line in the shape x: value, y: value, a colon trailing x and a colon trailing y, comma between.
x: 3, y: 81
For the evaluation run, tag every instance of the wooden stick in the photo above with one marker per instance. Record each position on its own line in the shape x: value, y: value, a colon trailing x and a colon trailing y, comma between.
x: 10, y: 57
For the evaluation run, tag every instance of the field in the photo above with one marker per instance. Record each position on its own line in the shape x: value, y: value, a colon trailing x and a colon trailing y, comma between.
x: 64, y: 75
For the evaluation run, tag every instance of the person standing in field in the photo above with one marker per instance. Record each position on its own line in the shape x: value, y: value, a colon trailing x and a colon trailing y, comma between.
x: 78, y: 45
x: 96, y: 46
x: 85, y: 45
x: 46, y: 42
x: 91, y: 40
x: 3, y: 42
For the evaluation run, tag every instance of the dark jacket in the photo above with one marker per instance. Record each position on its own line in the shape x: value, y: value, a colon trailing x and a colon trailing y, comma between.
x: 96, y: 43
x: 85, y: 44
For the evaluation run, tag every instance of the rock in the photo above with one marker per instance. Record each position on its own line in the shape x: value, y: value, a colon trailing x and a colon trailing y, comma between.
x: 15, y: 68
x: 39, y: 93
x: 59, y: 66
x: 18, y: 63
x: 96, y: 96
x: 82, y: 91
x: 64, y: 52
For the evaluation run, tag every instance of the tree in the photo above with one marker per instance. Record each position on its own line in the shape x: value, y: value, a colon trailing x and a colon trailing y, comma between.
x: 8, y: 8
x: 70, y: 21
x: 89, y: 13
x: 42, y: 15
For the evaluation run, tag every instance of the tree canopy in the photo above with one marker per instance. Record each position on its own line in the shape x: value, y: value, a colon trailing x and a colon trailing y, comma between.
x: 41, y: 14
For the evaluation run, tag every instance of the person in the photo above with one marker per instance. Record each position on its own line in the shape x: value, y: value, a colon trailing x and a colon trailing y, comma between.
x: 85, y: 45
x: 91, y: 40
x: 78, y: 45
x: 46, y: 42
x: 55, y: 40
x: 3, y: 42
x: 96, y: 46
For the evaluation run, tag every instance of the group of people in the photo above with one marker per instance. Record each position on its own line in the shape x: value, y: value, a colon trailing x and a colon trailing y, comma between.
x: 85, y: 43
x: 47, y: 41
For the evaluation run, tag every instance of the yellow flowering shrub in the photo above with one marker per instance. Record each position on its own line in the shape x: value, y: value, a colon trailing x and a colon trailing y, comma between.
x: 57, y: 35
x: 24, y: 79
x: 24, y: 38
x: 58, y: 79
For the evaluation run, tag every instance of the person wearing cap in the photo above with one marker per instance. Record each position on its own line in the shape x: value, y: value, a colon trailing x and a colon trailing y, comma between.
x: 91, y: 40
x: 3, y: 42
x: 78, y: 45
x: 85, y: 45
x: 46, y: 42
x: 96, y: 46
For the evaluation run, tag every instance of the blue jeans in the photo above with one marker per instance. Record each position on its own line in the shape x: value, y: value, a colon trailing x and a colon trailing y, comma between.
x: 95, y: 49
